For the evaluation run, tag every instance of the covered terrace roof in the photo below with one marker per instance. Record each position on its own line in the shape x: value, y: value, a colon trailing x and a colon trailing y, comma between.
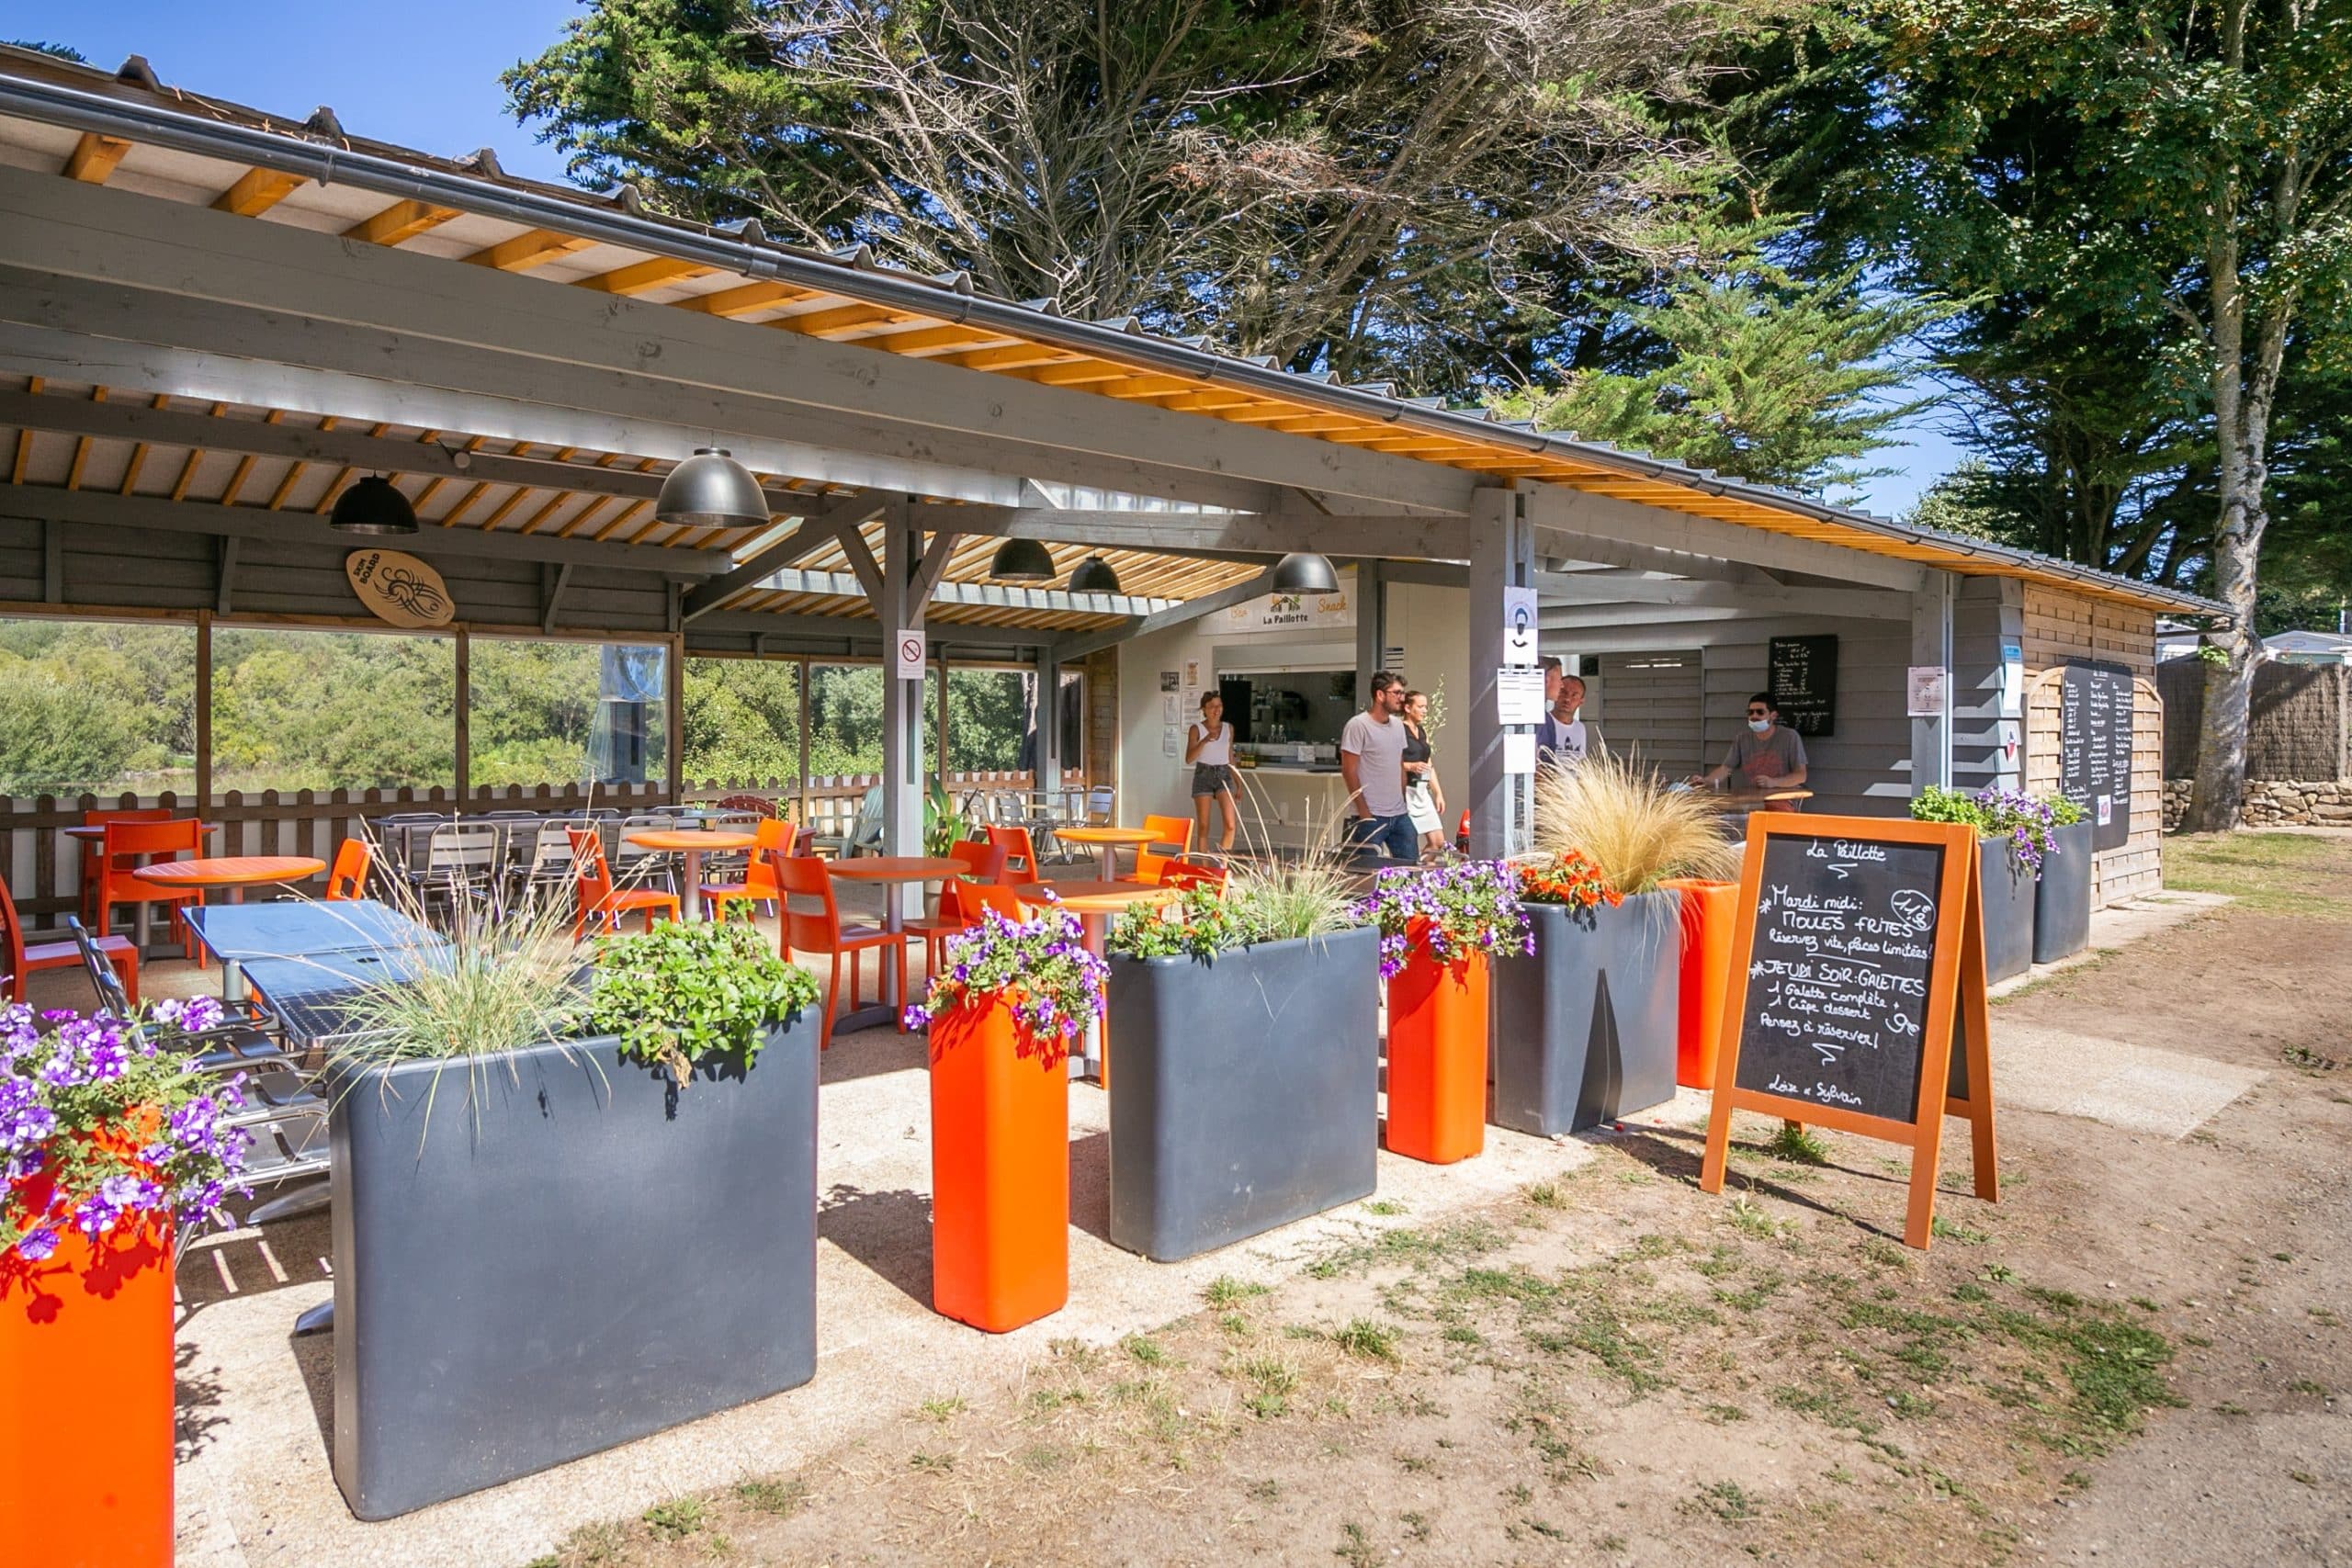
x: 128, y: 131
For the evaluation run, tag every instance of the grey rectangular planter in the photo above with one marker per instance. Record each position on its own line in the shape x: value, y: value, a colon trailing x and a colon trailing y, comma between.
x: 1244, y: 1089
x: 2062, y: 901
x: 1585, y: 1026
x: 574, y: 1253
x: 2008, y: 910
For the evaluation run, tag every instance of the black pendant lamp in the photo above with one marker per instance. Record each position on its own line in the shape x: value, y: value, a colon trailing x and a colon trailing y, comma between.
x: 374, y: 505
x: 1094, y: 576
x: 1022, y: 561
x: 711, y: 489
x: 1304, y: 571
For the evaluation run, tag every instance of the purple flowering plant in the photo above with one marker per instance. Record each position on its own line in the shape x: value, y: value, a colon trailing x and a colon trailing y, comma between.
x: 1040, y: 965
x: 1996, y: 812
x: 1446, y: 910
x: 107, y: 1122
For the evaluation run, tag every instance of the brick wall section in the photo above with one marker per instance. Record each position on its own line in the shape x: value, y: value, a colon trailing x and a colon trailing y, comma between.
x: 2299, y: 726
x: 1103, y: 717
x: 2060, y: 627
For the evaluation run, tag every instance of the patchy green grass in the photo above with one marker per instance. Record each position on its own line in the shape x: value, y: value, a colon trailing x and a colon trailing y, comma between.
x: 1367, y: 1340
x: 778, y: 1499
x: 2271, y: 873
x: 675, y: 1519
x: 1797, y: 1145
x: 1225, y: 1291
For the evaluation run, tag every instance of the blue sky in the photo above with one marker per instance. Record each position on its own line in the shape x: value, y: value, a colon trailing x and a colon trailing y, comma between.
x: 424, y: 73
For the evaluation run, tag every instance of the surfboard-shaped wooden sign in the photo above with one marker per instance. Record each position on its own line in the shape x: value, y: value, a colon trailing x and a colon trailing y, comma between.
x: 399, y: 589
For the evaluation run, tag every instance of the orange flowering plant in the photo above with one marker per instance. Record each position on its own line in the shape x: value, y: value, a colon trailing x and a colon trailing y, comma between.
x: 1570, y: 878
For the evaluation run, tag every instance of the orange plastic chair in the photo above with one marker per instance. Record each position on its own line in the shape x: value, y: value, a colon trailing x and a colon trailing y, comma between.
x: 127, y: 843
x: 1191, y: 873
x: 1173, y: 833
x: 805, y: 883
x: 603, y: 902
x: 981, y: 863
x: 757, y: 805
x: 758, y: 886
x: 349, y: 877
x: 93, y: 853
x: 23, y: 961
x: 1003, y: 901
x: 1020, y: 856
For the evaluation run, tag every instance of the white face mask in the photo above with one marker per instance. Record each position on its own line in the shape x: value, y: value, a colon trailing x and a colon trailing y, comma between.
x: 1761, y: 725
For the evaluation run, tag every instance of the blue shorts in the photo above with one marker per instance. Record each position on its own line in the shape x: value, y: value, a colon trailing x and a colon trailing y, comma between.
x: 1394, y: 834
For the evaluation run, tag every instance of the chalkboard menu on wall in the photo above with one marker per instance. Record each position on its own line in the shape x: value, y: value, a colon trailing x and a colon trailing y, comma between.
x: 2094, y: 747
x: 1802, y: 674
x: 1839, y: 972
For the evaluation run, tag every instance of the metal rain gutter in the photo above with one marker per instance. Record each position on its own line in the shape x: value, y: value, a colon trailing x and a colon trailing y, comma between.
x: 326, y: 163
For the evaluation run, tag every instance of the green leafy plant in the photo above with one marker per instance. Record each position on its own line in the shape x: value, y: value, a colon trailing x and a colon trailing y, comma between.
x: 679, y: 992
x: 1200, y: 922
x: 942, y: 825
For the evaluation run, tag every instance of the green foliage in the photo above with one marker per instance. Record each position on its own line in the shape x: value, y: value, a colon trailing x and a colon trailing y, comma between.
x: 1200, y: 922
x: 680, y: 992
x: 1756, y: 373
x: 505, y: 982
x: 1261, y: 901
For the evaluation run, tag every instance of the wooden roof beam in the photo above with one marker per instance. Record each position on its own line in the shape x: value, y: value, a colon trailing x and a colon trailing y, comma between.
x: 255, y: 192
x: 401, y: 222
x: 925, y: 340
x: 94, y: 157
x: 744, y: 300
x: 1021, y: 357
x: 531, y: 248
x: 638, y: 277
x: 840, y: 318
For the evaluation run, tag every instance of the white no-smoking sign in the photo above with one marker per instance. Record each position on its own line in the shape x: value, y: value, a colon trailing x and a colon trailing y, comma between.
x: 911, y: 654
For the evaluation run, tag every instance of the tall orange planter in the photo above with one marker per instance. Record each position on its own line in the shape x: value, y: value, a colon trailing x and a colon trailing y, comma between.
x: 86, y: 1402
x: 1437, y: 1057
x: 1000, y: 1171
x: 1708, y: 912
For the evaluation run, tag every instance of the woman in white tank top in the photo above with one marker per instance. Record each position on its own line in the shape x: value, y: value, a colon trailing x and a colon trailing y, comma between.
x: 1208, y: 745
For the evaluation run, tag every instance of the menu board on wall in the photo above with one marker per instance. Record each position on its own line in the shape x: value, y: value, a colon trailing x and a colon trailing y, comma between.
x: 1858, y: 944
x: 2094, y: 747
x: 1802, y: 674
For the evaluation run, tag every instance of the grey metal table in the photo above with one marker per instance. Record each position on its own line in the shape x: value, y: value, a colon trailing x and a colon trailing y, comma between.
x: 311, y: 995
x: 238, y: 934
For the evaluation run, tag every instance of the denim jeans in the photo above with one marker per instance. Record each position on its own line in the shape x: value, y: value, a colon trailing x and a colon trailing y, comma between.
x: 1394, y: 834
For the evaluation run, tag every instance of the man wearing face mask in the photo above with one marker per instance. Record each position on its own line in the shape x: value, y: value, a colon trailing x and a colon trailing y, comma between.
x: 1769, y: 756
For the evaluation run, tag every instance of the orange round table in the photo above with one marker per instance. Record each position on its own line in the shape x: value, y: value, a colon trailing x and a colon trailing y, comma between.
x: 891, y: 870
x: 1094, y: 903
x: 693, y: 845
x: 1107, y: 840
x: 235, y: 872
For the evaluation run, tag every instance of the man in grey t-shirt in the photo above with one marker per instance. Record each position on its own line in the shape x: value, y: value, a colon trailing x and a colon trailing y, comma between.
x: 1769, y: 756
x: 1371, y: 759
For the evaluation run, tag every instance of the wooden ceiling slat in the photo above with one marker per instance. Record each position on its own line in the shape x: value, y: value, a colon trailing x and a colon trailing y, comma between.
x: 94, y: 158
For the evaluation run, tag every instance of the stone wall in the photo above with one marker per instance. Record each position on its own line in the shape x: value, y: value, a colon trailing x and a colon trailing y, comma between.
x: 2271, y: 803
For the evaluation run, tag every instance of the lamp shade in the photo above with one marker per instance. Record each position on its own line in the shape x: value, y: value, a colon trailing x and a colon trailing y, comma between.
x: 1303, y: 571
x: 1094, y: 576
x: 711, y: 489
x: 373, y: 506
x: 1022, y: 561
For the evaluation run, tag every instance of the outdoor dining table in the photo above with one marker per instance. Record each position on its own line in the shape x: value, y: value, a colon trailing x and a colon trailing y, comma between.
x: 1741, y: 801
x: 235, y: 873
x: 892, y: 872
x: 1107, y: 841
x: 692, y: 843
x: 239, y: 933
x: 1094, y: 903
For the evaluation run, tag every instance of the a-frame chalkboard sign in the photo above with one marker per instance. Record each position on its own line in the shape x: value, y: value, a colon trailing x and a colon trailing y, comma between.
x: 1861, y: 942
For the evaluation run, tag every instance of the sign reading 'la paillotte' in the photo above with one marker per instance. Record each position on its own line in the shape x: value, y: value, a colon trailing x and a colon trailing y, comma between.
x: 399, y: 589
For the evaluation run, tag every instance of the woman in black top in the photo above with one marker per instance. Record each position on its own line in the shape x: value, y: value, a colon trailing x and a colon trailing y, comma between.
x: 1424, y: 801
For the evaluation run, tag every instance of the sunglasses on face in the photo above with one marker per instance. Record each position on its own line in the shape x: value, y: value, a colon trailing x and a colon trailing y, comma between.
x: 1757, y: 713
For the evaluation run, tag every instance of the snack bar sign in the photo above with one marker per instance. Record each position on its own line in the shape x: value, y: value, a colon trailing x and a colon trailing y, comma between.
x: 1288, y: 612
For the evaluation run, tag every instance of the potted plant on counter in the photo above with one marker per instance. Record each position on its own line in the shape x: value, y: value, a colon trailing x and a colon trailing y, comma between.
x: 1002, y: 1015
x: 1247, y: 1022
x: 1440, y: 926
x: 2013, y: 839
x: 114, y: 1143
x: 2062, y: 897
x: 1588, y: 1025
x: 570, y: 1208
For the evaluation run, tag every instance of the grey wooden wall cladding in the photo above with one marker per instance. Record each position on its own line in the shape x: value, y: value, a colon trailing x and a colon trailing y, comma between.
x: 300, y: 572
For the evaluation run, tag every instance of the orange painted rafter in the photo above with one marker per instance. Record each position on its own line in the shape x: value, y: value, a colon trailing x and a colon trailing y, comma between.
x: 619, y: 519
x: 1020, y: 356
x: 643, y: 465
x: 841, y: 319
x: 531, y: 248
x: 94, y: 157
x: 638, y: 277
x: 1147, y: 387
x: 925, y: 340
x: 744, y: 300
x: 138, y: 453
x: 284, y: 487
x: 555, y: 504
x: 255, y: 192
x: 399, y: 221
x: 450, y: 518
x: 498, y: 513
x: 81, y: 448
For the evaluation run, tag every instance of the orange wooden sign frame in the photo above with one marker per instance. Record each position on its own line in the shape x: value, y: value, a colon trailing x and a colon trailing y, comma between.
x: 1955, y: 987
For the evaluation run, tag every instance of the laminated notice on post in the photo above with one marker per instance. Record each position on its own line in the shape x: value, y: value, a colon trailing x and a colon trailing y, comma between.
x: 1519, y: 696
x: 1518, y: 754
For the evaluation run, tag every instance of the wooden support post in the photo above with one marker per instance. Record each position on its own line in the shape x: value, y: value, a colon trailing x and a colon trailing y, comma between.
x: 1049, y: 718
x: 464, y: 708
x: 900, y: 610
x: 1372, y: 623
x: 673, y: 716
x: 807, y: 671
x: 204, y: 716
x: 1502, y: 553
x: 1931, y: 645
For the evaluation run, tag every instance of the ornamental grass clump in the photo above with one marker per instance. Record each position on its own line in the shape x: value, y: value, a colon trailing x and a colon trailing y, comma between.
x: 506, y: 980
x: 1050, y: 983
x: 678, y: 992
x: 1447, y: 910
x: 1281, y: 899
x: 1634, y: 831
x: 107, y: 1122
